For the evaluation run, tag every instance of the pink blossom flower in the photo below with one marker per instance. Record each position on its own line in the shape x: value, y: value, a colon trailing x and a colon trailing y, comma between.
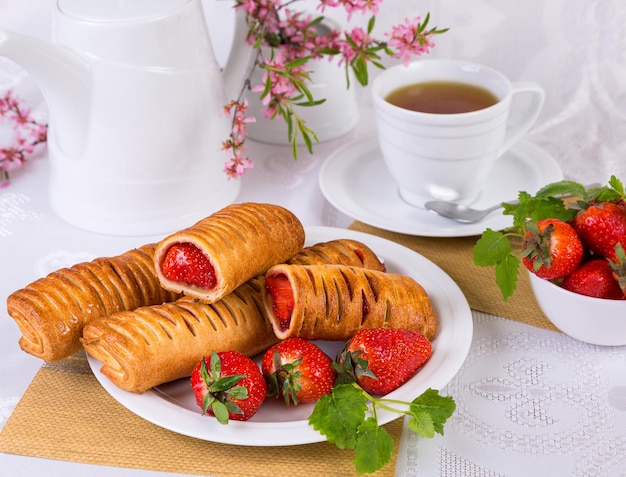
x: 407, y: 42
x: 351, y: 6
x: 237, y: 166
x: 234, y: 146
x: 293, y: 39
x: 358, y: 37
x: 28, y: 134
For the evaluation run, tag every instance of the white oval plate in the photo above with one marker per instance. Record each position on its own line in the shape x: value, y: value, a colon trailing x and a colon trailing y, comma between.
x: 355, y: 180
x: 173, y: 405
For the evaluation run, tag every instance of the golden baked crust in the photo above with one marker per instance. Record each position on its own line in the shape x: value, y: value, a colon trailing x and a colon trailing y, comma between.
x: 153, y: 345
x: 333, y: 302
x: 52, y: 311
x: 240, y: 241
x: 339, y: 252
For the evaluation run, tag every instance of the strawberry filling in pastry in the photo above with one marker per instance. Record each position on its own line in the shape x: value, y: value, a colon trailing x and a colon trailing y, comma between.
x: 281, y: 298
x: 185, y: 263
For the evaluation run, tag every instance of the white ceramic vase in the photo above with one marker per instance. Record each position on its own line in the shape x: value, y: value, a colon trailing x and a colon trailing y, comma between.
x: 337, y: 116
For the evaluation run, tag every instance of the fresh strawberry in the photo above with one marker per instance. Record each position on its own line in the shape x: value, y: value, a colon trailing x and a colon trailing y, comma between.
x: 297, y: 370
x: 279, y: 288
x: 228, y: 386
x: 594, y: 278
x: 551, y: 249
x: 381, y: 360
x: 601, y: 226
x: 185, y: 263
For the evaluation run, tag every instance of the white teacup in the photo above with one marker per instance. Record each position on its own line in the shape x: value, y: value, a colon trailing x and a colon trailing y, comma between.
x: 448, y: 156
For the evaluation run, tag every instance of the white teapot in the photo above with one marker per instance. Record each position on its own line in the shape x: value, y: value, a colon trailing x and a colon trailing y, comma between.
x: 135, y: 98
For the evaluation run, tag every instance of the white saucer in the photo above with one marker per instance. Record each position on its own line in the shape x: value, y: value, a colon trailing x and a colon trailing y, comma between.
x: 355, y: 180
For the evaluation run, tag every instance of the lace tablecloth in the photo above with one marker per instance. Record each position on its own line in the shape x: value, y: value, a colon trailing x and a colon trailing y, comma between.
x: 530, y: 401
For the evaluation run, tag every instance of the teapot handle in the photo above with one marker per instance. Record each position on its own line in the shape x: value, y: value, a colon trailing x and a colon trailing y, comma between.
x: 239, y: 57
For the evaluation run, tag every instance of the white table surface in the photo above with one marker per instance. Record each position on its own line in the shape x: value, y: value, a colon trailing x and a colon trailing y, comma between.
x: 531, y: 401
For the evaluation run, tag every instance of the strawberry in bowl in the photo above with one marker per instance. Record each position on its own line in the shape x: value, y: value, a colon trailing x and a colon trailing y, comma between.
x: 571, y: 241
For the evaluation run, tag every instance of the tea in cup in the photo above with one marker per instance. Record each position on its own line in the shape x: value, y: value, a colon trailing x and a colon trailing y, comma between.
x: 442, y: 125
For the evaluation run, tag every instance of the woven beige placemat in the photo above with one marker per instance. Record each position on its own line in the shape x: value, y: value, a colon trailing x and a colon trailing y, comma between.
x: 454, y: 256
x: 66, y: 415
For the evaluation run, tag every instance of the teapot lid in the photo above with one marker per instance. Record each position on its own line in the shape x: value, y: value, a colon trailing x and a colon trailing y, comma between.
x: 117, y: 10
x: 155, y: 33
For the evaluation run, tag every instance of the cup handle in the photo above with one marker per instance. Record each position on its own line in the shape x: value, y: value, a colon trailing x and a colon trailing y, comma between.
x: 515, y: 133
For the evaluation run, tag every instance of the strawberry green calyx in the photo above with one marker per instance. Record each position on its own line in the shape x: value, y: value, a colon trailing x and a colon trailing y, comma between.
x: 618, y: 265
x: 559, y: 200
x: 297, y: 370
x: 228, y: 385
x: 285, y: 380
x: 341, y: 416
x: 351, y: 366
x: 222, y: 389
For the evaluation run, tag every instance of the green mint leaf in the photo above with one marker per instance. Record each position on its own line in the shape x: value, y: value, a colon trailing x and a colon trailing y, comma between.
x: 422, y: 424
x: 604, y: 194
x: 507, y: 271
x: 517, y: 210
x: 548, y: 208
x: 611, y: 193
x: 440, y: 408
x: 374, y: 447
x: 563, y: 188
x: 339, y: 414
x: 491, y: 248
x: 510, y: 208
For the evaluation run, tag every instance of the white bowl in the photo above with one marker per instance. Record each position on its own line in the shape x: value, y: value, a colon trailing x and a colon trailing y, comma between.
x: 592, y: 320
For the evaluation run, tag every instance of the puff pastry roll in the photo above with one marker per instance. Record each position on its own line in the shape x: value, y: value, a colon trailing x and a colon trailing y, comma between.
x: 226, y: 249
x: 339, y: 252
x: 332, y: 302
x: 52, y: 311
x: 156, y: 344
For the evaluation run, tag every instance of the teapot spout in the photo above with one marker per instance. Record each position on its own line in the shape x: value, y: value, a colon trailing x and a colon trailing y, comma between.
x: 64, y: 80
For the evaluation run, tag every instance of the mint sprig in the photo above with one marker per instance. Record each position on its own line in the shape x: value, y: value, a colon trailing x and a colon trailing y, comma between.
x: 341, y: 416
x: 558, y: 200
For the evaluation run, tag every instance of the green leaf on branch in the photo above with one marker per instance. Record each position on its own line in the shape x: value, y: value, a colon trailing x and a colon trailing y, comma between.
x: 507, y: 272
x: 491, y: 248
x: 370, y: 24
x: 422, y: 424
x: 438, y: 408
x: 342, y: 417
x: 563, y: 188
x: 339, y: 414
x: 373, y: 446
x: 558, y: 200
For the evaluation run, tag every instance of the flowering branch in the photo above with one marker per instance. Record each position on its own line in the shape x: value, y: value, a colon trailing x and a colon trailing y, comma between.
x: 294, y: 39
x: 28, y: 134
